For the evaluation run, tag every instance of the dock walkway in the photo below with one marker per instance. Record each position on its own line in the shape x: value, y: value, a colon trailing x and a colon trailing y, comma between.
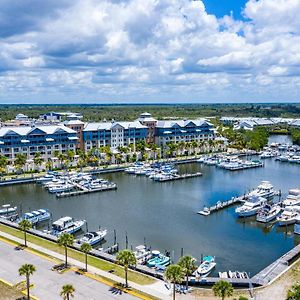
x: 178, y: 177
x: 220, y: 205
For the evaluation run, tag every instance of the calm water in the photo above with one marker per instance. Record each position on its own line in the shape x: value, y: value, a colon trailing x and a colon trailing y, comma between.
x: 165, y: 213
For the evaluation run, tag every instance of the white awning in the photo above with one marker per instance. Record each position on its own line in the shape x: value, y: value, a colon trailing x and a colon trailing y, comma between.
x: 25, y: 141
x: 167, y: 132
x: 73, y: 138
x: 183, y: 131
x: 1, y: 143
x: 198, y: 130
x: 49, y: 139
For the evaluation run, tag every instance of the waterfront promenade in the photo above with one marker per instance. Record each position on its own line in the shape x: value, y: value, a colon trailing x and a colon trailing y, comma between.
x: 87, y: 285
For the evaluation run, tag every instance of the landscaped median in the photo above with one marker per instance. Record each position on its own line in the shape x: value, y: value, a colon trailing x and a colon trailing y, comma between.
x: 103, y: 265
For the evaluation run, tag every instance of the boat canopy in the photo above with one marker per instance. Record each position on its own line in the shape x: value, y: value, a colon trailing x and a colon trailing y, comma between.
x: 208, y: 258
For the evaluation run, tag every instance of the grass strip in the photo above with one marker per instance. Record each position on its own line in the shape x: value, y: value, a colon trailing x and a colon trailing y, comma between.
x: 92, y: 261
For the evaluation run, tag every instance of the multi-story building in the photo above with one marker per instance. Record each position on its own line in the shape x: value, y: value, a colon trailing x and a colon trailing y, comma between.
x: 59, y: 116
x: 183, y: 130
x: 113, y: 134
x: 43, y: 139
x: 77, y: 126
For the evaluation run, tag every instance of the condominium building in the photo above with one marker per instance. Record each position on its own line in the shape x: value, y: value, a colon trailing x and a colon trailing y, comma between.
x: 113, y: 134
x: 43, y: 139
x: 183, y: 130
x: 147, y: 120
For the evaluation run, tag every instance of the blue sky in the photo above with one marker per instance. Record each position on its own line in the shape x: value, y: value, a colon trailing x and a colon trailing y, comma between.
x: 221, y: 8
x: 119, y: 51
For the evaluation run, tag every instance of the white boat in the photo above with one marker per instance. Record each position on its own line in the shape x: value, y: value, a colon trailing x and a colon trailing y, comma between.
x: 66, y: 225
x: 7, y: 209
x: 46, y: 178
x: 251, y: 207
x: 293, y: 198
x: 206, y: 266
x: 265, y: 189
x: 268, y: 213
x: 288, y: 216
x: 37, y: 216
x: 94, y: 237
x: 61, y: 188
x: 204, y: 212
x: 141, y: 253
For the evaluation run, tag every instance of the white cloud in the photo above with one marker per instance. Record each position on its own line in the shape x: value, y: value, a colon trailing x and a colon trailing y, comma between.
x: 163, y: 49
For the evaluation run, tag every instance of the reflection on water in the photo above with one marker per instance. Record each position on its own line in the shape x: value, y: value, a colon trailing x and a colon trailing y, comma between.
x: 164, y: 214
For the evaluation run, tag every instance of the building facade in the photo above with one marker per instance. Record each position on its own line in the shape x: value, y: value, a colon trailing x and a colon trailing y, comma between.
x: 183, y: 131
x: 46, y: 140
x: 147, y: 120
x: 113, y: 134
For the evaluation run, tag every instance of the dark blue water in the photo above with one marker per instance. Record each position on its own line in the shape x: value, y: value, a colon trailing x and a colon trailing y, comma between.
x: 166, y: 213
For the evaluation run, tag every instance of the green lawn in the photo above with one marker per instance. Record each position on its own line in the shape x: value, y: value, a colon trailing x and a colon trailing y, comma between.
x: 93, y: 261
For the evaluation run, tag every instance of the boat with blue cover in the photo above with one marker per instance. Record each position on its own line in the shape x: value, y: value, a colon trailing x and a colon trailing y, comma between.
x: 206, y: 266
x: 158, y: 259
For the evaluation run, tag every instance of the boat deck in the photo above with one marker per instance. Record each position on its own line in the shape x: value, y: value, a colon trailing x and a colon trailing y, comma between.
x: 178, y: 177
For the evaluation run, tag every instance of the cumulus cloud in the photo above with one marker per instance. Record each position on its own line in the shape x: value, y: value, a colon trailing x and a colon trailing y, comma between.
x: 170, y: 50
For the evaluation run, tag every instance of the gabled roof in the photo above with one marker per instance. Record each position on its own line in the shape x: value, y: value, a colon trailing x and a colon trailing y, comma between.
x: 110, y: 125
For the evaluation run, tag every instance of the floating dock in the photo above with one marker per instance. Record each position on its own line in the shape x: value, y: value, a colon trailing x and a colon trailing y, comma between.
x: 220, y: 205
x: 244, y: 167
x: 86, y: 191
x: 178, y: 177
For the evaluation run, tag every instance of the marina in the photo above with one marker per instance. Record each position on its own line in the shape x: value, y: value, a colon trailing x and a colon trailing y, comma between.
x: 171, y: 207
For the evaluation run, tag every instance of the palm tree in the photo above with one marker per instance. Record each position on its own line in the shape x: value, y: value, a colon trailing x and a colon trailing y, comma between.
x: 174, y: 274
x: 86, y: 248
x: 25, y: 225
x: 66, y: 240
x: 126, y: 258
x: 67, y: 291
x: 27, y: 270
x: 3, y: 163
x: 223, y: 289
x: 20, y: 160
x: 37, y: 159
x: 187, y: 263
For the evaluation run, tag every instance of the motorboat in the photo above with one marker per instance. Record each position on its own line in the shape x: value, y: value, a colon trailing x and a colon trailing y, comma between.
x: 37, y: 216
x: 251, y: 207
x: 288, y: 216
x: 46, y: 178
x: 293, y: 198
x: 67, y: 225
x: 141, y: 253
x: 265, y: 189
x: 158, y: 259
x: 7, y: 209
x: 268, y: 213
x: 204, y: 212
x: 207, y: 265
x: 61, y: 188
x: 93, y: 237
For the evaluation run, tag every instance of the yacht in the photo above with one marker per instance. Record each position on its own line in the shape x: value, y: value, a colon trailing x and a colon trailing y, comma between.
x: 66, y: 225
x: 7, y: 209
x: 293, y: 198
x: 268, y: 213
x: 93, y: 238
x: 206, y: 266
x: 61, y: 188
x: 251, y: 207
x: 265, y: 189
x: 37, y: 216
x: 288, y: 216
x: 158, y: 259
x: 46, y: 178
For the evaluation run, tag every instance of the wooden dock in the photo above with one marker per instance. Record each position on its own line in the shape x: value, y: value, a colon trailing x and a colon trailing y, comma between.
x: 220, y: 205
x: 86, y: 191
x: 178, y: 177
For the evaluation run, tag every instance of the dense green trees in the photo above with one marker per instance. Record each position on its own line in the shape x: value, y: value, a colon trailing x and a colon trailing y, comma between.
x: 294, y: 292
x: 295, y: 136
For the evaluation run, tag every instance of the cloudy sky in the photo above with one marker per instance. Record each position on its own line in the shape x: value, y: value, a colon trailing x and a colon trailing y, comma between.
x: 149, y: 51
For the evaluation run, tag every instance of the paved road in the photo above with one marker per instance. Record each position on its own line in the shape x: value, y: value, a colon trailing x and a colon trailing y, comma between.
x: 47, y: 283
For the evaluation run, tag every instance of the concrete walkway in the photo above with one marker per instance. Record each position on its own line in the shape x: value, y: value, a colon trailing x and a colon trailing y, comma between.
x: 157, y: 289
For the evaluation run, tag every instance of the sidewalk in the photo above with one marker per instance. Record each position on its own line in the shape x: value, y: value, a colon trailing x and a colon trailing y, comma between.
x: 157, y: 289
